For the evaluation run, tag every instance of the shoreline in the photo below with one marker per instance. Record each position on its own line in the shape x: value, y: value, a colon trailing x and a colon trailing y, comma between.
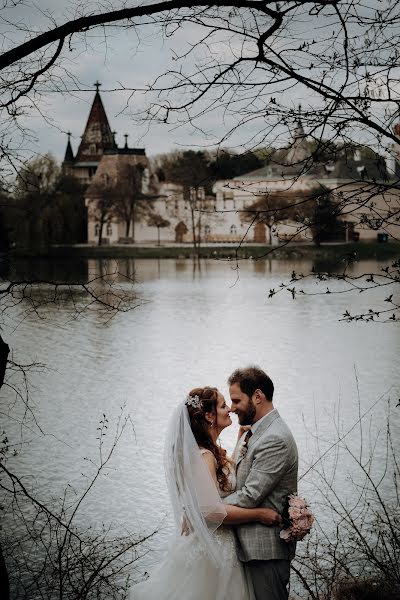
x: 378, y: 251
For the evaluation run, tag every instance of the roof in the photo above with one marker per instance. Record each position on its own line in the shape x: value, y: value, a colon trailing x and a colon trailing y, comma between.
x: 97, y: 137
x: 344, y: 168
x: 128, y: 151
x: 69, y: 155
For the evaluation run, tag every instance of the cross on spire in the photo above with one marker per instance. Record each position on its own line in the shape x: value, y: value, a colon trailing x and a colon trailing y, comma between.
x: 97, y: 85
x: 69, y: 135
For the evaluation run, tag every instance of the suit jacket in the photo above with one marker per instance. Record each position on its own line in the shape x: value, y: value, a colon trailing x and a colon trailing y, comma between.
x: 266, y: 475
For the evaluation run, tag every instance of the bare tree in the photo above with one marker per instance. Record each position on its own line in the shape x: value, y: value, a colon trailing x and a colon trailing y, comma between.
x: 74, y: 561
x: 131, y: 204
x: 101, y: 196
x: 311, y: 211
x: 193, y: 172
x: 354, y: 548
x: 71, y: 561
x: 158, y: 221
x: 346, y: 63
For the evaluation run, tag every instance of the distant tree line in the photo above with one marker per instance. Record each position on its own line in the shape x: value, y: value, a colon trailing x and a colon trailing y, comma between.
x: 194, y: 169
x: 43, y: 207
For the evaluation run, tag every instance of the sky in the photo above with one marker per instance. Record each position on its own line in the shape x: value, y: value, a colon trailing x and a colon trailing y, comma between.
x: 115, y: 63
x: 118, y: 59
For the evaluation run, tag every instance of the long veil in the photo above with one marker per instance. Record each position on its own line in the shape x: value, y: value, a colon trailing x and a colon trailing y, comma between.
x: 194, y: 497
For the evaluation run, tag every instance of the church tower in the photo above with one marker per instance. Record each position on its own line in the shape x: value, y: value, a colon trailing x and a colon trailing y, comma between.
x: 97, y: 140
x: 299, y: 149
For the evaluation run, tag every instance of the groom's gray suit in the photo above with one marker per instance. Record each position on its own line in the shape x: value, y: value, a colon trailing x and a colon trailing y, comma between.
x: 266, y: 475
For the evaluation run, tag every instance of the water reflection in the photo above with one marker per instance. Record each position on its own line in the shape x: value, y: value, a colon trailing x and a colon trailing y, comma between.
x: 44, y: 269
x: 196, y: 326
x: 122, y: 269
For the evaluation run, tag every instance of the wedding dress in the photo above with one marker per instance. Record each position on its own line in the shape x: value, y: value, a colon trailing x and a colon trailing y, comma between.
x: 189, y: 572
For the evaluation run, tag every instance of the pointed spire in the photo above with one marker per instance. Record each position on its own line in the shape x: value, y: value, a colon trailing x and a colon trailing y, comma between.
x: 97, y: 136
x: 126, y: 140
x: 69, y: 155
x: 299, y: 129
x: 299, y: 149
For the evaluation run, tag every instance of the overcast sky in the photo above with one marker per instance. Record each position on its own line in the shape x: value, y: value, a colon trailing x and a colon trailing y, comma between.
x: 119, y: 58
x: 112, y: 63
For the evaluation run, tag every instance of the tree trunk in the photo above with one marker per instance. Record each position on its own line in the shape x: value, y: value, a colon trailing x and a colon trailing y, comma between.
x: 199, y: 225
x: 4, y: 350
x: 133, y: 222
x: 4, y: 581
x: 270, y: 234
x: 127, y: 227
x: 193, y: 228
x: 102, y: 220
x: 158, y: 235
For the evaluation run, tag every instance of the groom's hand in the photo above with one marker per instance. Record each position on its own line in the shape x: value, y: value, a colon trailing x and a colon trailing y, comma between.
x: 268, y: 516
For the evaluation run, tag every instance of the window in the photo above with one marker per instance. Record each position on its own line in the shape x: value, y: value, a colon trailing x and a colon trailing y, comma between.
x: 233, y: 230
x: 96, y: 229
x: 109, y: 229
x: 192, y: 194
x: 228, y: 200
x: 145, y: 181
x: 92, y: 149
x: 207, y: 230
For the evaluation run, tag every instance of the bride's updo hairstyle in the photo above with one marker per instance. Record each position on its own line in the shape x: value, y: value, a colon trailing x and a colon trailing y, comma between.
x: 201, y: 428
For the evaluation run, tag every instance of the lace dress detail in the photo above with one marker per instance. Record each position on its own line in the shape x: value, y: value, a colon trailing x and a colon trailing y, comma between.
x: 188, y: 573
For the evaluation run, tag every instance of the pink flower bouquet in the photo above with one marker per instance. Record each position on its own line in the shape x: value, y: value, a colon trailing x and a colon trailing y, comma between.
x: 297, y: 519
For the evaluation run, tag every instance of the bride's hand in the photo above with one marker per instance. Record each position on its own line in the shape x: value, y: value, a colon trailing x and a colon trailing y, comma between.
x: 185, y: 527
x: 268, y: 516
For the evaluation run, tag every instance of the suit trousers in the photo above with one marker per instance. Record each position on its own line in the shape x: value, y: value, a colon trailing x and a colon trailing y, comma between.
x: 270, y: 578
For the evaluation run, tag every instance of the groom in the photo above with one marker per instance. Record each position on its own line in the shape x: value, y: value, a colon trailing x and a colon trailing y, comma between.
x: 266, y: 471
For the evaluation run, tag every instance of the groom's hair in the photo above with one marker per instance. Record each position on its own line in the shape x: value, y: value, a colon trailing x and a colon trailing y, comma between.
x: 251, y: 379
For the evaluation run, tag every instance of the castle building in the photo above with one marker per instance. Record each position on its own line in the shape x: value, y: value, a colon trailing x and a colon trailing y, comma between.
x: 127, y: 204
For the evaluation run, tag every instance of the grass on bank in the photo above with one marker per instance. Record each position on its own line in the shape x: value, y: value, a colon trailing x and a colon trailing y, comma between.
x: 361, y: 251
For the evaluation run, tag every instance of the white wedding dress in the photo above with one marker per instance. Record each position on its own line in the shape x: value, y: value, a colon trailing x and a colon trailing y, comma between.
x: 189, y: 573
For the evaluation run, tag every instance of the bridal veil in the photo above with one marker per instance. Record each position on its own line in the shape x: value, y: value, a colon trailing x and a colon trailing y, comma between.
x: 195, y: 500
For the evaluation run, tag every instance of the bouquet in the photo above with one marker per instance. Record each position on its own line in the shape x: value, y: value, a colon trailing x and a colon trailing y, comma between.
x: 297, y: 519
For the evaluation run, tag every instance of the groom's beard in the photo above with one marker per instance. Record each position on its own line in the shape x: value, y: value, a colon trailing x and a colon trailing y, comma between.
x: 247, y: 418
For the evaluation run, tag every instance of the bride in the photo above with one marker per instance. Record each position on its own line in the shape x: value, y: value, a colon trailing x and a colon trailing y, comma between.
x: 202, y: 561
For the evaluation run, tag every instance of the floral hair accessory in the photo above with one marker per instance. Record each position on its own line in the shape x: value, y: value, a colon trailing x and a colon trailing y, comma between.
x: 297, y: 519
x: 193, y: 401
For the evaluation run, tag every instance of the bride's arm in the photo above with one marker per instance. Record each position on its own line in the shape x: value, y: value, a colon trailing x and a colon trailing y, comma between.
x: 237, y: 515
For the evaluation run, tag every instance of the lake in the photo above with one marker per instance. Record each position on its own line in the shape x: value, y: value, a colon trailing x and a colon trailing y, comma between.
x: 192, y: 326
